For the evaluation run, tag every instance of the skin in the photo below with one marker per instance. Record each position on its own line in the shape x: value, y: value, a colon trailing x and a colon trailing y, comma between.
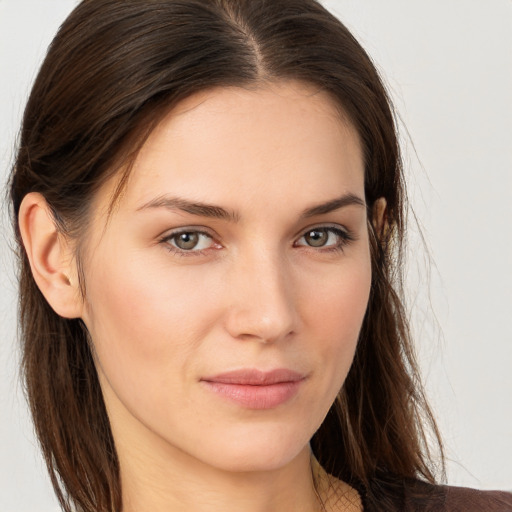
x: 254, y: 293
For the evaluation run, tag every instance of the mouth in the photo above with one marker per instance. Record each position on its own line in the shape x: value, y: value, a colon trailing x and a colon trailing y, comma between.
x: 255, y: 389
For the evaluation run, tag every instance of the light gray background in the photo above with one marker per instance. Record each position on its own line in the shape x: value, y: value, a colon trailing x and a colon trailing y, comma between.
x: 448, y: 64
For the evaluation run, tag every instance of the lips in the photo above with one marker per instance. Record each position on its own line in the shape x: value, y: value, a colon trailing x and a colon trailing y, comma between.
x: 256, y: 389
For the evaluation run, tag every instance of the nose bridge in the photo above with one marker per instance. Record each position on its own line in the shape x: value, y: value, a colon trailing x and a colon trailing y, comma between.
x: 262, y: 302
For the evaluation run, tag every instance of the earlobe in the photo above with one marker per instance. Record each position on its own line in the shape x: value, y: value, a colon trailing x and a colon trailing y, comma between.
x: 379, y: 220
x: 50, y: 256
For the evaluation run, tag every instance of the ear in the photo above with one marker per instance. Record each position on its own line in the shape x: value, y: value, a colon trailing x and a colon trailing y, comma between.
x: 379, y: 217
x: 50, y: 255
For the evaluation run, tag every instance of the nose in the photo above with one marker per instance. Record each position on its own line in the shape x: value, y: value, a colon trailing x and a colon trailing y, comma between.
x: 262, y: 303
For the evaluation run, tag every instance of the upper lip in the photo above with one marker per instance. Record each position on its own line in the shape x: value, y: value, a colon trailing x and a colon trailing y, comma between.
x: 254, y: 377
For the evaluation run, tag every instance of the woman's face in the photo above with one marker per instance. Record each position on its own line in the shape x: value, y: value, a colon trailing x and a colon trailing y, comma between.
x: 226, y: 292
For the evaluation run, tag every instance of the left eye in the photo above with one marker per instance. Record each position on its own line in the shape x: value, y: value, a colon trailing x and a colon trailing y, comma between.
x: 323, y: 237
x: 190, y: 241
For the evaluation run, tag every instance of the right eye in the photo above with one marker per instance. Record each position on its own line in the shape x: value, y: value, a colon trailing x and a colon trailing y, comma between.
x: 188, y: 241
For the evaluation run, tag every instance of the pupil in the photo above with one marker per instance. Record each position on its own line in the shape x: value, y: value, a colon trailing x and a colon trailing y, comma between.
x: 187, y: 240
x: 316, y: 238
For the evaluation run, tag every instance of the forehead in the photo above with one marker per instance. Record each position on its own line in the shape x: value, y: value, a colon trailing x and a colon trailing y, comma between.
x: 253, y: 142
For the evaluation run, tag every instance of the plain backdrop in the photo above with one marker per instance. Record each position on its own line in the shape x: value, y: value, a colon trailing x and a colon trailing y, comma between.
x: 448, y: 66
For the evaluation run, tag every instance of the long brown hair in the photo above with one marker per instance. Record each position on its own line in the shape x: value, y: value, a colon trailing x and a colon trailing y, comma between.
x: 111, y: 73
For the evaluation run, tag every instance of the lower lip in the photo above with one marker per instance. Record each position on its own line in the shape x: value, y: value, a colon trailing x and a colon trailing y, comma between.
x: 256, y: 397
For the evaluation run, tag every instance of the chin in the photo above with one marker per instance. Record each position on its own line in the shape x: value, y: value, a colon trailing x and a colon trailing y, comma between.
x: 255, y: 452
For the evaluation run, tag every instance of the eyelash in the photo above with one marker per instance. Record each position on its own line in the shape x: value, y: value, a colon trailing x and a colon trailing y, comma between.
x: 344, y: 236
x: 182, y: 252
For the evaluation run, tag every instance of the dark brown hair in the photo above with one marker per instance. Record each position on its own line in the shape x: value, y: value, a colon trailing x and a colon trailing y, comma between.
x: 111, y: 73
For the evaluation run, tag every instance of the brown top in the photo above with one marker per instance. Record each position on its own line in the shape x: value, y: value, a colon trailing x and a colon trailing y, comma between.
x: 459, y: 499
x: 417, y: 496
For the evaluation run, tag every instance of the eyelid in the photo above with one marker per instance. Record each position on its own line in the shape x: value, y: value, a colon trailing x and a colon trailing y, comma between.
x: 200, y: 230
x: 346, y: 236
x: 187, y: 229
x: 333, y: 226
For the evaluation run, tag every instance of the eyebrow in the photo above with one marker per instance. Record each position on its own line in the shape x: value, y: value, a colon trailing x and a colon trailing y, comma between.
x: 334, y: 204
x: 192, y: 207
x: 218, y: 212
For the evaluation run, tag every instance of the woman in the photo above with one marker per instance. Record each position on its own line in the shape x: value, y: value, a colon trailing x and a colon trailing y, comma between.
x: 209, y: 201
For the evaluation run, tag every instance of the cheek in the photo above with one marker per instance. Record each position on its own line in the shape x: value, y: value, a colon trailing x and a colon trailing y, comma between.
x: 146, y: 323
x: 338, y: 304
x: 334, y: 312
x: 135, y: 295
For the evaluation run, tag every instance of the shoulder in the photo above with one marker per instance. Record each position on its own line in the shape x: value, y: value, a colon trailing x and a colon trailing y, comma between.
x: 467, y: 500
x: 410, y: 495
x: 423, y: 497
